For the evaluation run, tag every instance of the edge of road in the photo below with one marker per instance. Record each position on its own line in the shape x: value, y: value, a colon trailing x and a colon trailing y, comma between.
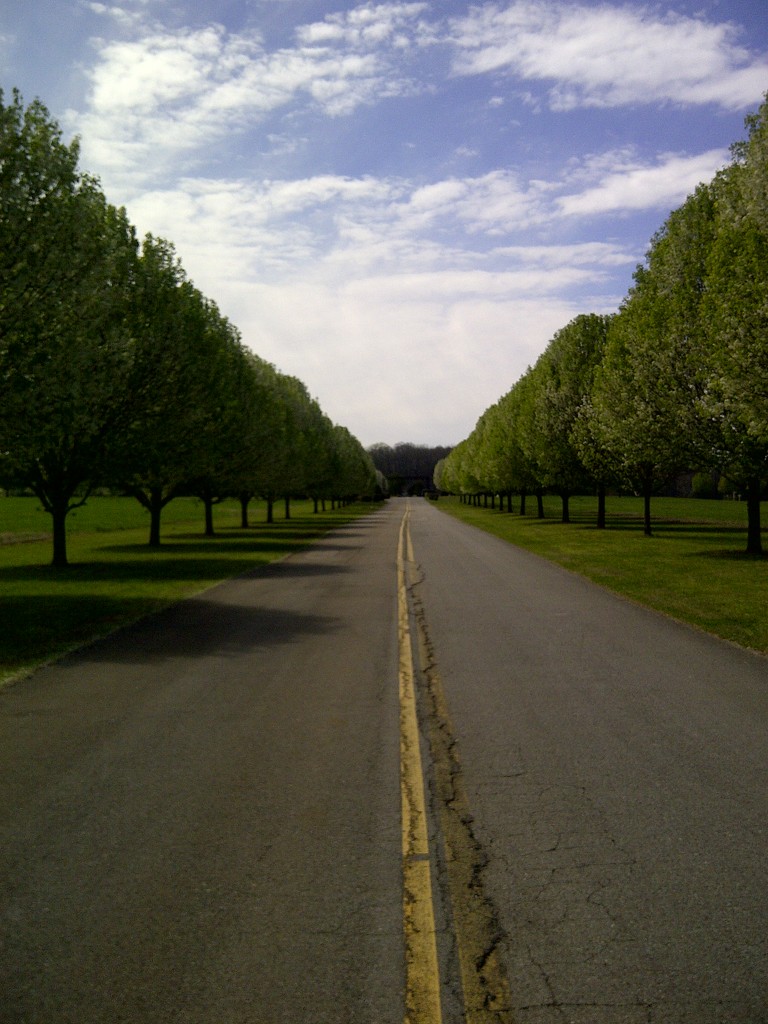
x: 636, y: 602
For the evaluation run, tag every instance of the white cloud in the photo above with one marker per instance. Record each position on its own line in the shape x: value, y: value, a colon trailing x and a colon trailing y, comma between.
x: 365, y: 27
x: 608, y: 56
x: 637, y: 187
x: 121, y: 15
x: 166, y: 93
x: 436, y: 291
x: 597, y: 254
x: 337, y: 227
x: 342, y: 280
x: 384, y: 351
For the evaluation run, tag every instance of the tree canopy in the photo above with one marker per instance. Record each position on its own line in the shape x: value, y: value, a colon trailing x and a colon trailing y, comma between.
x: 407, y: 465
x: 115, y: 370
x: 676, y: 380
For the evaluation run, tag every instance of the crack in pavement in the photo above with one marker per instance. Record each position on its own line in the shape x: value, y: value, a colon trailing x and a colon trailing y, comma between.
x: 461, y: 863
x: 567, y: 858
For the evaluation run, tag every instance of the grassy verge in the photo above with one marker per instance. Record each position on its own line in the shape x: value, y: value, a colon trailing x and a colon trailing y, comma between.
x: 693, y: 568
x: 115, y: 578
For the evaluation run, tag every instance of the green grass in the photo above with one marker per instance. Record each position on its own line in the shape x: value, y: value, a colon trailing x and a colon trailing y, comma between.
x: 22, y: 518
x: 692, y: 568
x: 114, y: 577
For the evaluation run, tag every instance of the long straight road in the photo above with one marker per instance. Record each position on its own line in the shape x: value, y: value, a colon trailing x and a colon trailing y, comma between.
x: 225, y: 814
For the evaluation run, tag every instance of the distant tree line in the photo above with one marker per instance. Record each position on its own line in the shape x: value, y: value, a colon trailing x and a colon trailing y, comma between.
x: 407, y: 466
x: 676, y: 380
x: 115, y: 371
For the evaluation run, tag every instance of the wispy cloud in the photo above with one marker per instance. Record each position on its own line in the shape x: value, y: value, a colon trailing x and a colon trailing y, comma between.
x: 436, y: 281
x: 161, y: 95
x: 367, y: 27
x: 454, y: 237
x: 630, y: 186
x: 122, y: 16
x: 608, y: 56
x: 165, y: 93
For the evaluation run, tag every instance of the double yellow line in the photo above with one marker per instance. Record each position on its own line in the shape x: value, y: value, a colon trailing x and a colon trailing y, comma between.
x: 485, y: 994
x: 422, y: 970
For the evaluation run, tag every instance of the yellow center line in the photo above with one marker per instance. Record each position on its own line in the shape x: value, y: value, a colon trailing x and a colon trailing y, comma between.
x: 422, y: 971
x: 485, y: 993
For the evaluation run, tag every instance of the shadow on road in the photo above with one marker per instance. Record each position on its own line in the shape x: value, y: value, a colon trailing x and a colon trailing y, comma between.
x: 202, y: 628
x: 56, y: 620
x: 162, y: 567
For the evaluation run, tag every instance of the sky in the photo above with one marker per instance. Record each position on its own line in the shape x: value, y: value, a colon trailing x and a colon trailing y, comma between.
x: 400, y: 203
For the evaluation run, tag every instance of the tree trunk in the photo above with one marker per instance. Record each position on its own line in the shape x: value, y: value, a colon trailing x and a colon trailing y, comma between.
x: 244, y: 501
x: 59, y: 515
x: 601, y: 506
x: 647, y: 509
x: 566, y: 500
x: 540, y: 504
x: 754, y: 539
x: 208, y: 503
x: 523, y: 496
x: 270, y: 509
x: 57, y: 500
x: 155, y: 510
x: 287, y: 506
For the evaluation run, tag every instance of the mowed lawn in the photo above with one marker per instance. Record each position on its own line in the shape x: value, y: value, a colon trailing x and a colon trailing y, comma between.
x: 114, y: 577
x: 692, y: 568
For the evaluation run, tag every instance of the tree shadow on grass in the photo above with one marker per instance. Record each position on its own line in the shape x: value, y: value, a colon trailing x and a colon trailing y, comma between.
x: 206, y: 571
x: 729, y: 555
x: 63, y: 608
x: 196, y: 544
x: 44, y: 626
x: 629, y: 524
x: 136, y: 631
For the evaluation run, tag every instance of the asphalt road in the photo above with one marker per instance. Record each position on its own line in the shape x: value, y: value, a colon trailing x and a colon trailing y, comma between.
x: 200, y: 817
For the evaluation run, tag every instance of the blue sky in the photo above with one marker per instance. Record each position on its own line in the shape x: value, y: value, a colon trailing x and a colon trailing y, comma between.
x: 399, y: 203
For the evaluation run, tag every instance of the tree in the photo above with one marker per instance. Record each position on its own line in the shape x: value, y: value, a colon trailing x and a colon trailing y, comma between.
x: 646, y: 401
x: 356, y: 473
x: 66, y: 266
x: 39, y: 179
x: 228, y: 406
x: 564, y: 377
x: 491, y: 468
x: 457, y: 475
x: 736, y: 319
x: 261, y: 425
x: 175, y: 384
x: 525, y: 449
x: 321, y: 455
x: 407, y: 466
x: 283, y: 468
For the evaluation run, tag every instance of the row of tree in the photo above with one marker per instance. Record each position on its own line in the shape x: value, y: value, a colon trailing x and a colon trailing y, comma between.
x: 115, y: 371
x: 408, y: 468
x: 676, y: 380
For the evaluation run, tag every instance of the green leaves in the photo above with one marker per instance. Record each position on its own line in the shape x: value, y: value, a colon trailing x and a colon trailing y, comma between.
x: 676, y: 380
x: 114, y: 368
